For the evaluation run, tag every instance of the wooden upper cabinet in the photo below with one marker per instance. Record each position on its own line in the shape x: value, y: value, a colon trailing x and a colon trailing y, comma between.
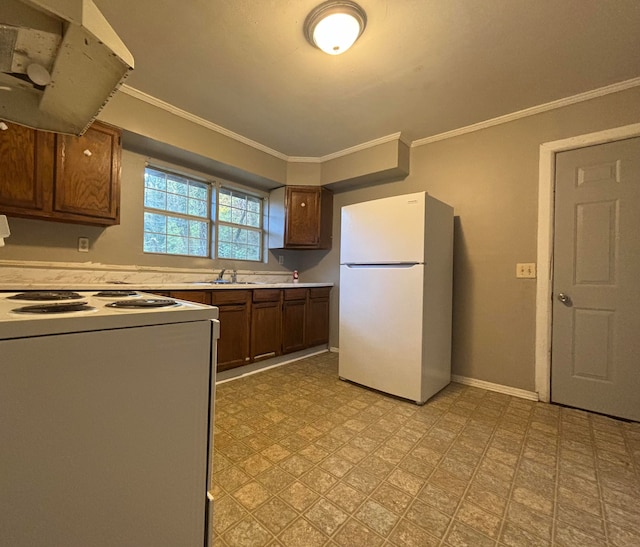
x: 60, y: 177
x: 26, y: 169
x: 300, y: 218
x: 87, y: 175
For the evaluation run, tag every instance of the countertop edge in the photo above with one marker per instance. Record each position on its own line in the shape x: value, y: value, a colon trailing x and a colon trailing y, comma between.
x: 195, y: 286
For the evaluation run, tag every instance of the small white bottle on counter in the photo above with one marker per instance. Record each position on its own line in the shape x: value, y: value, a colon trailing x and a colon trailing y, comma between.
x: 295, y: 276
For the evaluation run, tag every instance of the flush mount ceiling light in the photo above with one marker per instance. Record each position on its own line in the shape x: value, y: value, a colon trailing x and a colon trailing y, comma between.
x: 334, y: 26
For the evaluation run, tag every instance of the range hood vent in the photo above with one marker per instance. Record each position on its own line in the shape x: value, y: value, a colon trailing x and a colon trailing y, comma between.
x: 60, y: 62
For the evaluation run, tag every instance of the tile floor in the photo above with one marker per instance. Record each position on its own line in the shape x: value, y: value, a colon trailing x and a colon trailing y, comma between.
x: 303, y: 459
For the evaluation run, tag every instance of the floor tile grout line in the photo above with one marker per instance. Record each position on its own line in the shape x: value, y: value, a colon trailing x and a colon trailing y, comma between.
x: 596, y: 467
x: 447, y: 408
x: 443, y: 540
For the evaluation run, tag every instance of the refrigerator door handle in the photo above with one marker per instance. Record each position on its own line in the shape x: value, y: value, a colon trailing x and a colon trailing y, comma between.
x: 384, y: 265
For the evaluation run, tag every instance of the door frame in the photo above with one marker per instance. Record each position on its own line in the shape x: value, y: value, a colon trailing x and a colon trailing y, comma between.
x: 546, y: 203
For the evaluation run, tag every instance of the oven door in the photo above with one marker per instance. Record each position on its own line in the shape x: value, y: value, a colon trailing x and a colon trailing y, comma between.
x: 105, y: 437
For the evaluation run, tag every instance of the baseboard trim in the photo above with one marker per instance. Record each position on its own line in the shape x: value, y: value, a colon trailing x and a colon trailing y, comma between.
x: 261, y: 366
x: 499, y: 388
x: 334, y: 349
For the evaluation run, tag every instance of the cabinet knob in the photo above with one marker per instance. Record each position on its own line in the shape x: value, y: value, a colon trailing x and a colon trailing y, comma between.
x: 3, y: 126
x: 87, y: 152
x: 303, y: 204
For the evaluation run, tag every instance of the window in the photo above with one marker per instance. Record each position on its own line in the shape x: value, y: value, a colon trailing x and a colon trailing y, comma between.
x: 185, y: 216
x: 239, y: 225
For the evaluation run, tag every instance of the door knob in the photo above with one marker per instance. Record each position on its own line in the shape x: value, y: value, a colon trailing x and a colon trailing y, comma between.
x: 564, y: 298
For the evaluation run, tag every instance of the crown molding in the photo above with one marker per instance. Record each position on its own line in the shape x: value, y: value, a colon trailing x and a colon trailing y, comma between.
x: 566, y: 101
x: 350, y: 150
x: 137, y: 94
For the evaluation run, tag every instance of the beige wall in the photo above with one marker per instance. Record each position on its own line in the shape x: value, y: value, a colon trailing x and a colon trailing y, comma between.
x: 490, y: 177
x: 57, y: 241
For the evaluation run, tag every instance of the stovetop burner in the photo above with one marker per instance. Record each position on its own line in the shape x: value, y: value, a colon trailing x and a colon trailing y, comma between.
x: 45, y: 296
x: 115, y: 294
x: 143, y: 303
x: 55, y: 308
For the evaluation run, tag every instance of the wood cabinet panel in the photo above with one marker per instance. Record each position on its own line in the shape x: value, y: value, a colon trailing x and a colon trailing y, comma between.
x: 233, y: 345
x: 87, y: 174
x: 303, y: 214
x: 230, y: 297
x: 266, y: 329
x: 267, y: 295
x: 234, y: 308
x: 262, y: 323
x: 301, y: 218
x: 26, y: 169
x: 49, y: 176
x: 201, y: 297
x: 317, y: 323
x: 294, y: 314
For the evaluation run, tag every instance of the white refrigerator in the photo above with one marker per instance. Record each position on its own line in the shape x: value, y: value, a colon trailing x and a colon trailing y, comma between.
x: 396, y: 259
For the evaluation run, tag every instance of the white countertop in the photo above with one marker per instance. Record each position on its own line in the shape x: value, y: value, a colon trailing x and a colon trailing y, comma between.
x: 156, y: 286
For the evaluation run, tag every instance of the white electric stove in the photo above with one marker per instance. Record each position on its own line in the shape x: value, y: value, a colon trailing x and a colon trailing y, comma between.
x: 38, y: 313
x: 106, y: 419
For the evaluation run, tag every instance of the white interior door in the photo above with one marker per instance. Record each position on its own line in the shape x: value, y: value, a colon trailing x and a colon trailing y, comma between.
x: 595, y: 359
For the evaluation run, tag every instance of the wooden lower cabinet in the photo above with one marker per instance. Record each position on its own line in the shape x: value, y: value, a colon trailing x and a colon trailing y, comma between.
x: 317, y: 323
x: 234, y: 308
x: 294, y: 313
x: 262, y: 323
x: 266, y: 324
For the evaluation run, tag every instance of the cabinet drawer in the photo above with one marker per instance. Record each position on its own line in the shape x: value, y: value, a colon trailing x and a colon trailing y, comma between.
x: 201, y: 297
x: 266, y: 295
x: 319, y: 292
x: 295, y: 294
x: 229, y: 296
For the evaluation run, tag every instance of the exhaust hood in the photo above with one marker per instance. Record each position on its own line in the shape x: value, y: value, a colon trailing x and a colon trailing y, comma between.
x: 60, y: 62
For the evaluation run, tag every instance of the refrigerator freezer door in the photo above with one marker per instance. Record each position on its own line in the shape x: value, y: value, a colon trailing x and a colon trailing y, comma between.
x: 381, y: 311
x: 383, y: 231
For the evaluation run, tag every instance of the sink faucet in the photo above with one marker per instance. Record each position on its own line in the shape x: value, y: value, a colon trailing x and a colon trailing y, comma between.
x: 219, y: 278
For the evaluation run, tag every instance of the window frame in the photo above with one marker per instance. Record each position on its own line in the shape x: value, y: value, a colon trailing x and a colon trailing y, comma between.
x: 215, y: 185
x: 225, y: 185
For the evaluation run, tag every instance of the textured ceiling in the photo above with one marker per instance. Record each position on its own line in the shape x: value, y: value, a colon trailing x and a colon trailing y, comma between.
x: 422, y: 67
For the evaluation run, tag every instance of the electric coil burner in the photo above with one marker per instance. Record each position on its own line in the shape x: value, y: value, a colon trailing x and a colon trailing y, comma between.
x: 143, y: 303
x: 55, y: 308
x: 116, y: 294
x: 45, y: 296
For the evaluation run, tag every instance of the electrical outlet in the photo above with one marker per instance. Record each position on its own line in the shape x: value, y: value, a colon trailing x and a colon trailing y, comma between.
x: 526, y: 270
x: 280, y: 259
x: 83, y: 244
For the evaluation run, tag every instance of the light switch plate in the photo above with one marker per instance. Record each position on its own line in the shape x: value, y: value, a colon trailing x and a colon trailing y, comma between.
x: 526, y: 270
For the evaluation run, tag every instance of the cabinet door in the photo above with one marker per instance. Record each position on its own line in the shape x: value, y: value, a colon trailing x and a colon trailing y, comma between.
x: 26, y: 170
x: 266, y: 333
x: 233, y: 314
x: 318, y: 317
x: 87, y: 175
x: 303, y: 216
x: 293, y: 325
x: 233, y: 345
